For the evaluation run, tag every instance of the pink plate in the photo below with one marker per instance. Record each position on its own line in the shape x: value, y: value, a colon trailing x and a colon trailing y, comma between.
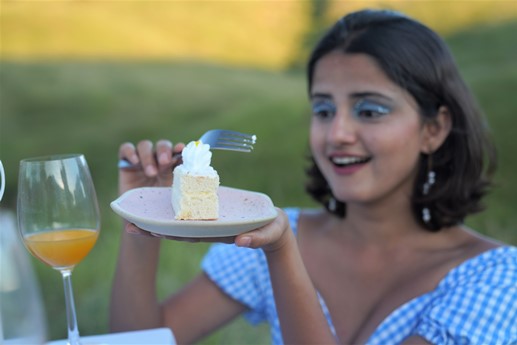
x: 150, y: 209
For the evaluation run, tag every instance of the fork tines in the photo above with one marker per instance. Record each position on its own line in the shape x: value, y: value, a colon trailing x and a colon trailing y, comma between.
x: 234, y: 145
x: 236, y: 141
x: 238, y: 136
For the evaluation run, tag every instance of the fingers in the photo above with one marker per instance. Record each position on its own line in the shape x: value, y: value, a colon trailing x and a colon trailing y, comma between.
x: 176, y: 153
x: 132, y: 229
x: 128, y: 151
x: 153, y: 159
x: 147, y: 159
x: 164, y: 152
x: 258, y: 238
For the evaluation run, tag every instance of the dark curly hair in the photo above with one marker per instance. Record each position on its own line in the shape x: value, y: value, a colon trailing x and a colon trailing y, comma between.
x: 418, y: 60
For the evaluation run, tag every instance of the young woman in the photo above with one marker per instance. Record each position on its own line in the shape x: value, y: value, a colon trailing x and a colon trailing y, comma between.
x: 400, y: 158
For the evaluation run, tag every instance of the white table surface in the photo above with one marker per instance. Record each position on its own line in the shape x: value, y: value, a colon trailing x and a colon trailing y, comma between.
x: 158, y: 336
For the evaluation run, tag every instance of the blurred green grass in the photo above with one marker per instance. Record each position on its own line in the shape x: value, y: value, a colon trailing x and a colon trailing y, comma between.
x: 55, y: 107
x: 92, y: 107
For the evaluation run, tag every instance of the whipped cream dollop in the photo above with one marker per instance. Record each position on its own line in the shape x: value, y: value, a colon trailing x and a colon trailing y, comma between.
x: 196, y: 159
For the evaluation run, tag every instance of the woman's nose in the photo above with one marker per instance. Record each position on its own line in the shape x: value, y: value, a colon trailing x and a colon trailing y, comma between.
x: 342, y: 129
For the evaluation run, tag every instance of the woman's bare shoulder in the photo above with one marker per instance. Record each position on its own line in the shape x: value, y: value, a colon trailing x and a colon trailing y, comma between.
x: 313, y: 216
x: 479, y: 242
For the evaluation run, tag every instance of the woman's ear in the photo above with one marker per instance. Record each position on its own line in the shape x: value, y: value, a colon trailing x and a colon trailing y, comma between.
x: 436, y: 130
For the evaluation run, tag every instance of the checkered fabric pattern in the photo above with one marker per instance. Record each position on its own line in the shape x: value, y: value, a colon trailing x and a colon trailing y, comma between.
x: 475, y: 303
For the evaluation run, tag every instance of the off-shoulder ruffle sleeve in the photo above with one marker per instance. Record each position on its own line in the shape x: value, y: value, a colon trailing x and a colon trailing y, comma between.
x: 239, y: 273
x: 242, y: 273
x: 475, y: 304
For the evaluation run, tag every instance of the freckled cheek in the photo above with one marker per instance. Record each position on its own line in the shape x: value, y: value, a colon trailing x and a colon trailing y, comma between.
x: 383, y: 144
x: 398, y: 145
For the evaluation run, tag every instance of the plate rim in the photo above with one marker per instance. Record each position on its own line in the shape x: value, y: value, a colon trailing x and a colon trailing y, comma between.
x: 194, y: 224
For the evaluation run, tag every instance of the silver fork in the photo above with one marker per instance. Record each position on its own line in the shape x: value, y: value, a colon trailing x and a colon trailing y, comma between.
x: 218, y: 139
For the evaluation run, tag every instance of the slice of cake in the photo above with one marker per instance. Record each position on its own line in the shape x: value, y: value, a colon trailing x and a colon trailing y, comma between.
x: 195, y: 184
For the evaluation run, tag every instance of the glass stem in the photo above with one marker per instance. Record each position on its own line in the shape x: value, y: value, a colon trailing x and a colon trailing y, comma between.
x: 73, y: 331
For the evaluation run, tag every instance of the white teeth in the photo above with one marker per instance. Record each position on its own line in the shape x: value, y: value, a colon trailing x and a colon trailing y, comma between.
x: 348, y: 160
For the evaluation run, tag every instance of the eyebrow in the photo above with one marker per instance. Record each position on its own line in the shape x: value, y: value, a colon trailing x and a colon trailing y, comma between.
x: 320, y: 95
x: 354, y: 95
x: 370, y: 94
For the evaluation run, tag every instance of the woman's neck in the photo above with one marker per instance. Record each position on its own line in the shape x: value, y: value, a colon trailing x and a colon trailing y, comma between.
x: 385, y: 226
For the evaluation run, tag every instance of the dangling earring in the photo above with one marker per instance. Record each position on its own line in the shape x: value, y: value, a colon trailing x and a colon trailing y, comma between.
x: 431, y: 175
x: 332, y: 204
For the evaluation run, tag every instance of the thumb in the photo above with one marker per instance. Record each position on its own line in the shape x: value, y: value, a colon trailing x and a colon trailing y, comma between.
x: 268, y: 237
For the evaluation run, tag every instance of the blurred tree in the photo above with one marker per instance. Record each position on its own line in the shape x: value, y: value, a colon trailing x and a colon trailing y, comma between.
x: 317, y: 24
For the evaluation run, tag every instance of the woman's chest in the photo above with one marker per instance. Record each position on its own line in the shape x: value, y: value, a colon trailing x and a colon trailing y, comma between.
x: 361, y: 292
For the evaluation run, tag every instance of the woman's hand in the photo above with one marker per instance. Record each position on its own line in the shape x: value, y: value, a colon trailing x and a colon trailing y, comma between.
x: 154, y: 164
x: 271, y: 237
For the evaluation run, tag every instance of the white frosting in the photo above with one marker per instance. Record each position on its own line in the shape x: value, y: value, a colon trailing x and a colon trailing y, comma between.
x: 196, y: 159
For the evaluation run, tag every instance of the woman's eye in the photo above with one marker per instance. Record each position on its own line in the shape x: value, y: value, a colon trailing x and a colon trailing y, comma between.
x: 370, y: 110
x: 323, y: 110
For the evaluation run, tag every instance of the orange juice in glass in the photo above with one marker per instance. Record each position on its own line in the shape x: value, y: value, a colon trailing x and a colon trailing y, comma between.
x: 61, y: 248
x: 58, y: 217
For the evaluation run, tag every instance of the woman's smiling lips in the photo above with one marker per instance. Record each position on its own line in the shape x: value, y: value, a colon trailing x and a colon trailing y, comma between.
x: 347, y: 164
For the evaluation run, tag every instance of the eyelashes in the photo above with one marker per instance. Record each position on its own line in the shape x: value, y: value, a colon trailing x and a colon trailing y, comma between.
x: 362, y: 109
x: 323, y: 109
x: 370, y: 110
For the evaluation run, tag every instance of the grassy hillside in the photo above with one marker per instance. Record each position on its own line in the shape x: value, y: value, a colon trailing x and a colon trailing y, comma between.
x: 256, y: 33
x: 91, y: 107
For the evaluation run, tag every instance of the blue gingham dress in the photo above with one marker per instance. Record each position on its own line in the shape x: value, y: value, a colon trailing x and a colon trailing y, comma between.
x: 475, y: 303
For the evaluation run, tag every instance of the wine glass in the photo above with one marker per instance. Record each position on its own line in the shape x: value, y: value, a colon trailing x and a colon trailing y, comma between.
x: 58, y: 217
x: 21, y: 311
x: 2, y: 180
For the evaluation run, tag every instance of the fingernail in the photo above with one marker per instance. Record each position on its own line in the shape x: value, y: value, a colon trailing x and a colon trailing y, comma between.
x: 132, y: 230
x: 133, y: 159
x: 244, y: 241
x: 150, y: 170
x: 163, y: 158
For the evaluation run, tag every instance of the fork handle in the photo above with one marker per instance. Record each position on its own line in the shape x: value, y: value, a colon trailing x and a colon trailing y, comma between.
x: 124, y: 164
